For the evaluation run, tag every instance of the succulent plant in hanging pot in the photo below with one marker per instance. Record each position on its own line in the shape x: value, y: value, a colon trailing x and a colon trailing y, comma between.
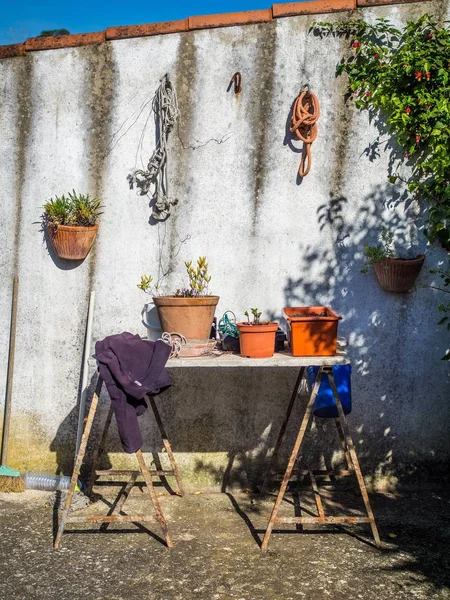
x: 190, y: 310
x: 256, y: 337
x: 394, y: 274
x: 72, y: 223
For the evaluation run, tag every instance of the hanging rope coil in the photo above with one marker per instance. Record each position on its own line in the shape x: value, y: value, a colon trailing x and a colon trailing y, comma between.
x: 175, y: 340
x: 166, y: 112
x: 305, y: 114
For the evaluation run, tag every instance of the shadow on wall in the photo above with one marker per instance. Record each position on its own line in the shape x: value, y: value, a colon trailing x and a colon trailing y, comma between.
x: 238, y: 412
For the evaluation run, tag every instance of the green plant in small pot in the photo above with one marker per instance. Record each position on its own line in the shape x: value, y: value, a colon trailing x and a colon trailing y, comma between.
x: 256, y: 337
x: 72, y: 223
x: 190, y: 310
x: 394, y: 274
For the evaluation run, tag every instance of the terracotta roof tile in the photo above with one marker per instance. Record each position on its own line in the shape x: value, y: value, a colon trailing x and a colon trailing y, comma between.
x: 366, y: 3
x: 130, y: 31
x: 64, y: 41
x: 202, y: 22
x: 12, y: 50
x: 230, y: 19
x: 315, y: 7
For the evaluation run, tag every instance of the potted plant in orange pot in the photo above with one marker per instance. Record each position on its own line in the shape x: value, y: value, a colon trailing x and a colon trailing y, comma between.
x: 257, y: 338
x: 72, y: 224
x: 189, y: 311
x: 394, y: 274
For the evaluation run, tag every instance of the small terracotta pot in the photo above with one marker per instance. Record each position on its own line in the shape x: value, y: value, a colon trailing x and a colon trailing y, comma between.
x: 72, y: 243
x: 398, y: 274
x: 192, y: 317
x: 313, y: 330
x: 257, y: 341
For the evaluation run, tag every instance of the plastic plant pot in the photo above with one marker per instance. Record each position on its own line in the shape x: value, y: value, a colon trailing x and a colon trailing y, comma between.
x: 312, y: 330
x: 257, y: 341
x: 325, y: 404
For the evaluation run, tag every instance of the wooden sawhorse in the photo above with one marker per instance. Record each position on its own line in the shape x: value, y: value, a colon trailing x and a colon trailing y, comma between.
x: 114, y: 515
x: 351, y: 458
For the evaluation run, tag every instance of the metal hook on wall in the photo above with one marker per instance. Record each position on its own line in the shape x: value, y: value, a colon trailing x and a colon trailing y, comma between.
x: 236, y: 79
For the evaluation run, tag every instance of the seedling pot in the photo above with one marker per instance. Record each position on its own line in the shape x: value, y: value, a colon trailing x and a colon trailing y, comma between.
x: 192, y: 317
x: 398, y: 274
x: 257, y: 341
x: 312, y: 330
x: 71, y: 242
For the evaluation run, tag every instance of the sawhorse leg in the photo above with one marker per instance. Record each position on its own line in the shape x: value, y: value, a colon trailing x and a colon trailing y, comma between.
x: 352, y: 464
x: 283, y: 430
x: 167, y: 446
x: 114, y: 516
x: 78, y: 463
x: 292, y: 459
x: 354, y: 460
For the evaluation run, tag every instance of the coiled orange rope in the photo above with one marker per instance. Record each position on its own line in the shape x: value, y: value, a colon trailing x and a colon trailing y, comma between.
x: 305, y: 114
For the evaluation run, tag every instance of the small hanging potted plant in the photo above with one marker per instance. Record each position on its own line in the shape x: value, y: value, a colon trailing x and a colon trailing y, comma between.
x: 394, y: 274
x: 189, y: 311
x: 72, y: 224
x: 257, y: 338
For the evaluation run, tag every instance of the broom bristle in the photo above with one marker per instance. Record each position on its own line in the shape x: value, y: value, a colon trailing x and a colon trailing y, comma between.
x: 11, y: 484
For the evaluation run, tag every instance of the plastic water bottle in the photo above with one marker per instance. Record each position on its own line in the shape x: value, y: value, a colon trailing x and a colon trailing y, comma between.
x: 49, y: 483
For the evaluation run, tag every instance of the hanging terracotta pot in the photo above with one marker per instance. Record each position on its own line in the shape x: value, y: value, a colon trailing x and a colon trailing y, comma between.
x: 72, y: 242
x: 398, y: 274
x: 192, y: 317
x: 257, y: 341
x: 313, y: 330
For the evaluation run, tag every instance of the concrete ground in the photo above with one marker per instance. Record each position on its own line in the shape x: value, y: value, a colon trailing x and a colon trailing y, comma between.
x: 216, y: 554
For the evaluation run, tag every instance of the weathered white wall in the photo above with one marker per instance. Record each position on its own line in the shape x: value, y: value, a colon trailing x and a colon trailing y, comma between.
x: 72, y: 118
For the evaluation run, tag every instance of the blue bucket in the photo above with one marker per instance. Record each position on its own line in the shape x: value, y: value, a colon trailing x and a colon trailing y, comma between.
x: 325, y: 405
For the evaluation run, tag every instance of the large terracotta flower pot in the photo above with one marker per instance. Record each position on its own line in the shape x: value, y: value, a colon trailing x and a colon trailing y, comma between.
x: 398, y: 274
x: 72, y: 243
x: 192, y: 317
x: 257, y: 341
x: 313, y: 330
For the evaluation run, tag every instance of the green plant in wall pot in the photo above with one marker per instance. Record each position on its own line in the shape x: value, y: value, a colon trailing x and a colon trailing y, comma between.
x: 402, y: 77
x: 72, y: 224
x: 190, y: 310
x: 395, y: 274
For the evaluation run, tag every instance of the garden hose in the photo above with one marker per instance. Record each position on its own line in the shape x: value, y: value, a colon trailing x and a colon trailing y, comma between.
x: 305, y: 114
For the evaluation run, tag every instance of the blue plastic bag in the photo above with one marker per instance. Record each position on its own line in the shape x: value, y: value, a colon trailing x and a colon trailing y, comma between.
x: 325, y: 405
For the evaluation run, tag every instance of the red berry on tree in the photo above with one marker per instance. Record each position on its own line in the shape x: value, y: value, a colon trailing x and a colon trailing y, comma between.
x: 428, y: 75
x: 376, y: 55
x: 430, y: 36
x: 418, y: 75
x: 408, y: 110
x: 427, y: 106
x: 356, y: 44
x: 368, y: 94
x: 417, y: 139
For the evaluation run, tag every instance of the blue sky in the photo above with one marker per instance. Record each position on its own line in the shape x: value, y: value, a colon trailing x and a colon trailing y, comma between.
x: 20, y: 19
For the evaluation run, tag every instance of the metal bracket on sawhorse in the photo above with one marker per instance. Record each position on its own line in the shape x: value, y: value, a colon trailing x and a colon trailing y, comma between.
x: 147, y: 474
x: 350, y: 455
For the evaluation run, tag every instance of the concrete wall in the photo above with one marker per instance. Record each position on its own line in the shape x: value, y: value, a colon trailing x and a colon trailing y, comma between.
x: 81, y: 118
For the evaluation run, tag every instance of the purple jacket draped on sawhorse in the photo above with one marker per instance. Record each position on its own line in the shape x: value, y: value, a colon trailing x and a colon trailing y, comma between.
x: 132, y: 368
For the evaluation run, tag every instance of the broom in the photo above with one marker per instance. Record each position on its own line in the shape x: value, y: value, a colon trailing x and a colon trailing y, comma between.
x: 10, y: 480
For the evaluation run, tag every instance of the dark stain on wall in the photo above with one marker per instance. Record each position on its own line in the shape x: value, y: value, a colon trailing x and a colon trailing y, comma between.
x: 24, y: 83
x: 100, y: 86
x: 179, y: 161
x: 260, y: 111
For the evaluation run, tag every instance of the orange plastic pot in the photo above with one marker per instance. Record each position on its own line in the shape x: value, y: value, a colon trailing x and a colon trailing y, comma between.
x: 192, y: 317
x: 70, y: 242
x: 398, y: 274
x: 257, y: 341
x: 313, y: 330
